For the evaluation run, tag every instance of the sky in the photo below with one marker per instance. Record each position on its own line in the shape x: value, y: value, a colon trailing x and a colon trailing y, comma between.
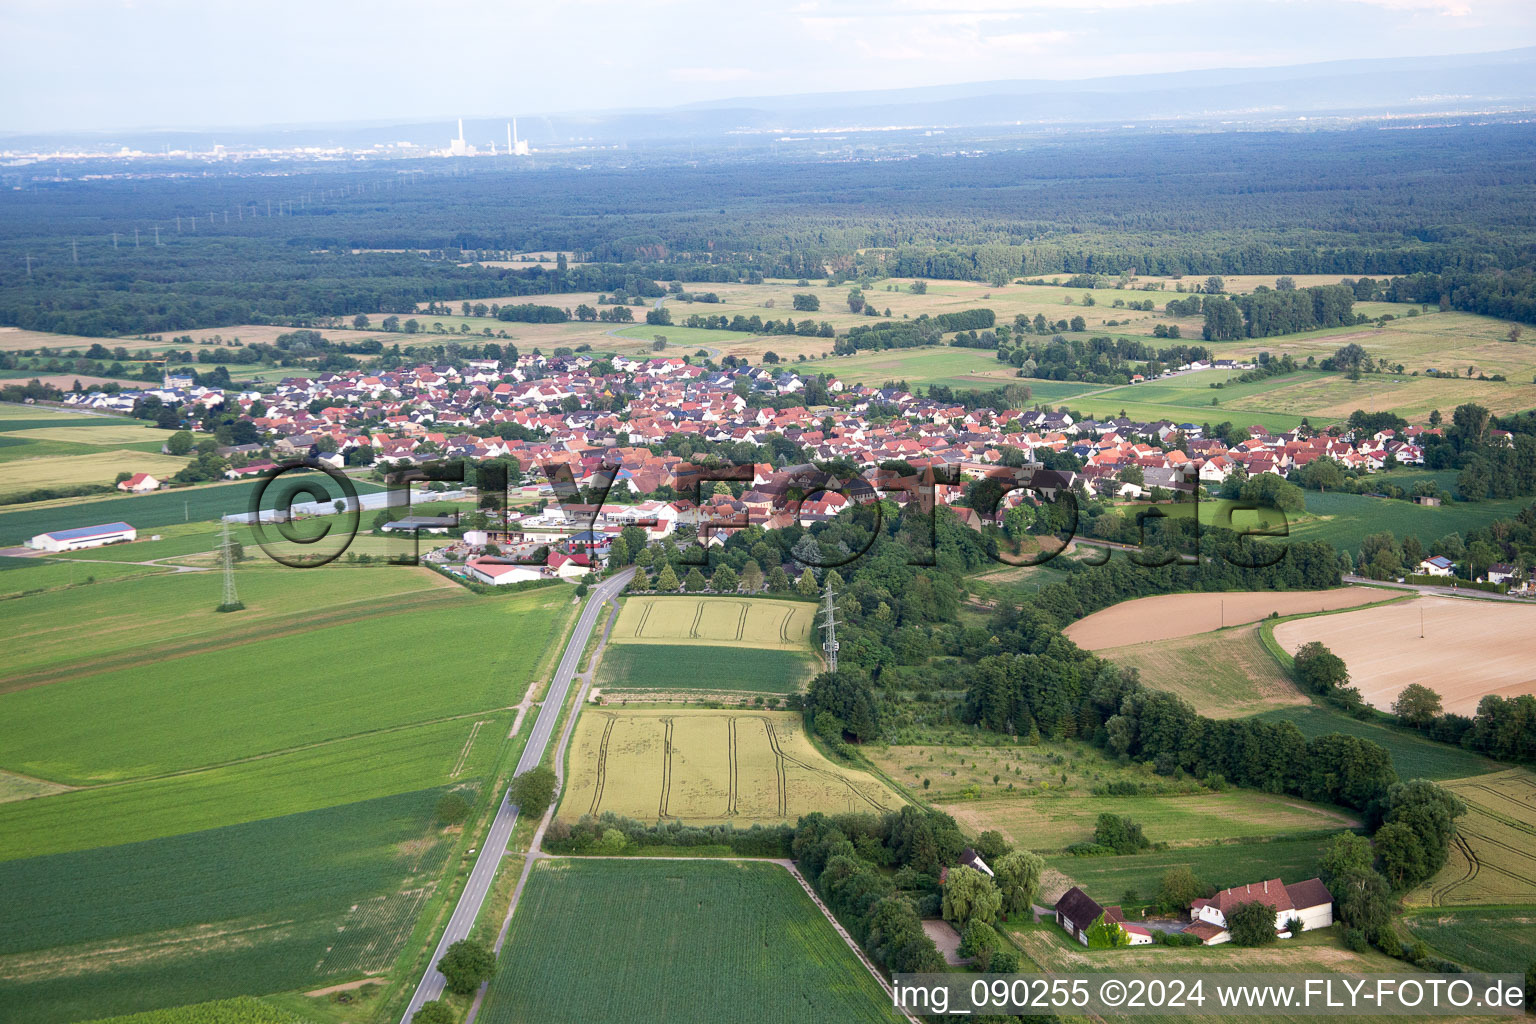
x: 69, y: 65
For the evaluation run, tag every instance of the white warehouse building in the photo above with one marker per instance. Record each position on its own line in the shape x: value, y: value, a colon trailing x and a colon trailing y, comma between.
x: 83, y: 537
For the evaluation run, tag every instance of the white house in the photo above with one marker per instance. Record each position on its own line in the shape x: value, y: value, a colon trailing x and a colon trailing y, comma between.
x: 1502, y: 572
x: 1439, y: 565
x: 83, y: 537
x: 568, y: 566
x: 1308, y: 901
x: 139, y: 483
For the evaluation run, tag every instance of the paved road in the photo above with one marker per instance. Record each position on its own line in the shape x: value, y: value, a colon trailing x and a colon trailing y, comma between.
x: 1440, y: 591
x: 495, y: 845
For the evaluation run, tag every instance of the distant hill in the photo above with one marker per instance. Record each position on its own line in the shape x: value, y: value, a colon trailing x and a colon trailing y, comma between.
x: 1466, y: 83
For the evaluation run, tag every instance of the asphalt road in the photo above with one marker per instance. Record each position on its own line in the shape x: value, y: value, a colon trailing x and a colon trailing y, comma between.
x: 495, y: 845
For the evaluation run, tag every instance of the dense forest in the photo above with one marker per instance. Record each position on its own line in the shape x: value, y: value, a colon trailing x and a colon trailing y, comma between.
x: 82, y: 256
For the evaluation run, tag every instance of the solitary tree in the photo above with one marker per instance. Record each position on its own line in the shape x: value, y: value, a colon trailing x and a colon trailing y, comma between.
x: 1417, y: 705
x: 466, y: 965
x: 666, y: 580
x: 533, y: 790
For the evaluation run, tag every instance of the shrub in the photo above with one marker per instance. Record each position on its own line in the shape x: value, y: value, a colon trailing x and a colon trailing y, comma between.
x: 1252, y: 924
x: 452, y: 808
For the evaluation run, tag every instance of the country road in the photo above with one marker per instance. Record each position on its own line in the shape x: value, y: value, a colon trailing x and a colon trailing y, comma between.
x: 495, y: 845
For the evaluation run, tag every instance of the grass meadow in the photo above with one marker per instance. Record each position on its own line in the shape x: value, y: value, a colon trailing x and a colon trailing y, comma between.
x: 325, y: 894
x: 675, y: 941
x: 1219, y: 864
x: 669, y: 668
x: 1344, y: 520
x: 1227, y: 674
x: 30, y: 577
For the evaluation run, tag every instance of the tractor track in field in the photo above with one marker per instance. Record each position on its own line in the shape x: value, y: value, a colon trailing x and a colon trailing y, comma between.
x: 780, y: 780
x: 666, y: 766
x: 825, y: 773
x: 1437, y: 898
x: 698, y: 616
x: 734, y: 770
x: 602, y: 766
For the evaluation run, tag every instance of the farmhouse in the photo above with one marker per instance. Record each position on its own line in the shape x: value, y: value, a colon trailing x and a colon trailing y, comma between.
x: 139, y: 483
x: 83, y: 537
x: 1076, y: 911
x: 1308, y: 901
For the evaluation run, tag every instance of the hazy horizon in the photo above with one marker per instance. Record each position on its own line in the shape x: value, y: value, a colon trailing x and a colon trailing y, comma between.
x: 174, y: 65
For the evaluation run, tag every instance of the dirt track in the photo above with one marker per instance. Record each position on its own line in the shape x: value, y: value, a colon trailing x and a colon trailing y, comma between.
x: 1469, y: 648
x: 1170, y: 615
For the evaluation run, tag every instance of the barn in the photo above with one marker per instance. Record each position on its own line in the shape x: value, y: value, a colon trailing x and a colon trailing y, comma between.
x: 1076, y: 911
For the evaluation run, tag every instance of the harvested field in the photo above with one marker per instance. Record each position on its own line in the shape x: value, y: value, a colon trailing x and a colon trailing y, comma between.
x: 1224, y: 675
x: 1493, y: 859
x: 707, y: 767
x: 1172, y: 615
x: 727, y: 621
x: 72, y: 470
x: 1462, y: 649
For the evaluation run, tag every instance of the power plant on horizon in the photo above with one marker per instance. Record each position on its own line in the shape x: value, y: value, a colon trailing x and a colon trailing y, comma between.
x: 515, y: 146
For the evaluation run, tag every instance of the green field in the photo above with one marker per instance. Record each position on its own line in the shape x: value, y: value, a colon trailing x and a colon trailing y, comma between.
x: 1413, y: 756
x: 274, y: 693
x: 674, y: 667
x: 361, y: 768
x: 1495, y: 939
x: 327, y: 894
x: 1220, y: 865
x: 1344, y: 520
x: 240, y: 1010
x: 174, y: 614
x: 685, y: 339
x: 675, y: 942
x: 24, y: 576
x: 144, y: 511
